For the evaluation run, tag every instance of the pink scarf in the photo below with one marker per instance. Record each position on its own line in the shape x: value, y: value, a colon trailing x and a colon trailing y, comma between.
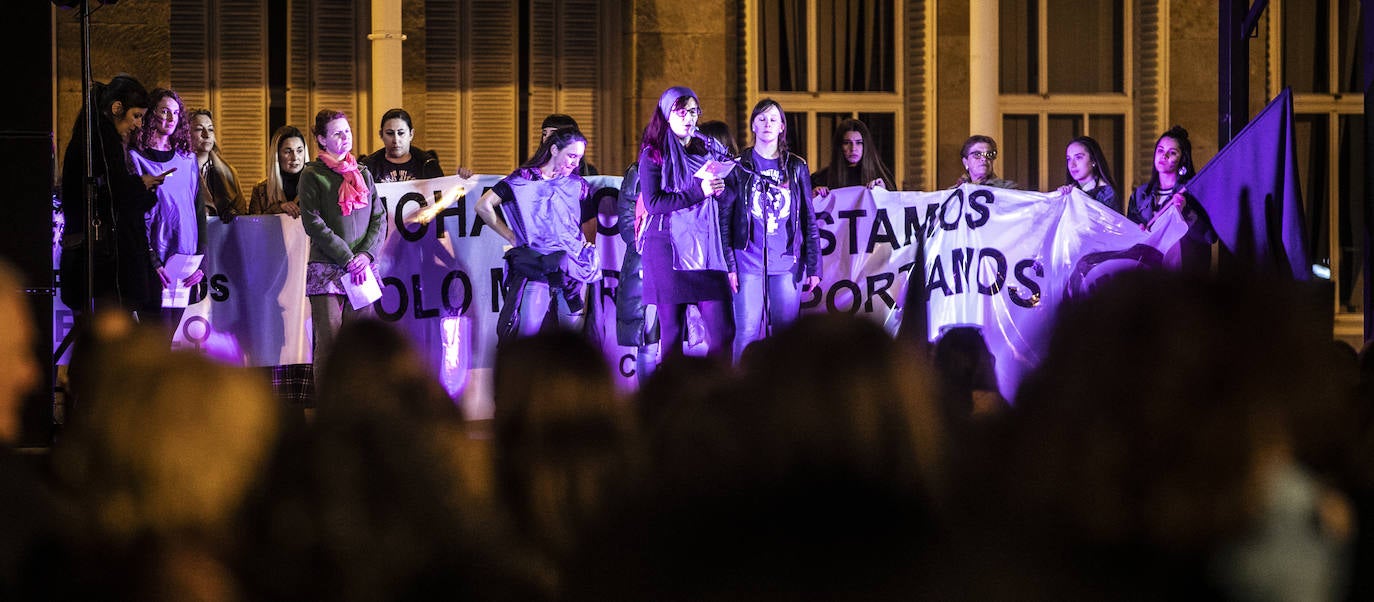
x: 353, y: 192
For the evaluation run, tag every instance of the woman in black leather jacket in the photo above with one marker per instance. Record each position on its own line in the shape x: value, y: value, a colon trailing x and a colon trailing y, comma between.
x: 774, y: 229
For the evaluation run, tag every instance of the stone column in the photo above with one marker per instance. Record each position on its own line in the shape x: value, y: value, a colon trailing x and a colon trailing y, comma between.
x: 387, y: 80
x: 983, y: 67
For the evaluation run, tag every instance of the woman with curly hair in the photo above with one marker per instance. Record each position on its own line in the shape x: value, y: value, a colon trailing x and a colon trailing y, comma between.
x: 176, y: 222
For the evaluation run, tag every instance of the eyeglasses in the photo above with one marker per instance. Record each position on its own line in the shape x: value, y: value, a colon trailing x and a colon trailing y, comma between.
x: 684, y: 113
x: 985, y: 155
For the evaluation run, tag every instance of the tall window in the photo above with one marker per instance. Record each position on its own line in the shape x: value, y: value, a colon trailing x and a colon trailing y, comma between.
x: 1319, y: 46
x: 828, y: 60
x: 1064, y: 65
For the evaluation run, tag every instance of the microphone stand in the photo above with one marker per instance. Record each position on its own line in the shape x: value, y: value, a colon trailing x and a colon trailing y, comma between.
x: 766, y: 186
x: 92, y: 230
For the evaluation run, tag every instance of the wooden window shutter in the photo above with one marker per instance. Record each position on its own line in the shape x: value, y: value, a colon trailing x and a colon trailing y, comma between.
x: 327, y: 67
x: 489, y: 121
x: 919, y: 101
x: 239, y: 98
x: 1151, y: 88
x: 219, y: 62
x: 443, y: 73
x: 566, y: 66
x: 191, y: 56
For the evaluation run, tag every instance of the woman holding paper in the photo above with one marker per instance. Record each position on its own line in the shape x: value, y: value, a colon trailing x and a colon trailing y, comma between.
x: 777, y: 245
x: 687, y: 255
x: 176, y: 222
x: 346, y: 223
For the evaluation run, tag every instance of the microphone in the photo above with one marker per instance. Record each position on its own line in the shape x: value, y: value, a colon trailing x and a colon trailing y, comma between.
x: 712, y: 145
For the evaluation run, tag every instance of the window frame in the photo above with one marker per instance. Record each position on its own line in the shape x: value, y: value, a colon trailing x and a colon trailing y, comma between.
x: 812, y: 101
x: 1332, y: 104
x: 1043, y: 104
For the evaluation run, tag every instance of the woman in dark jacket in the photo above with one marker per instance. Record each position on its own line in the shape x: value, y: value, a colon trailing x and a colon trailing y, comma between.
x: 122, y: 270
x: 774, y: 229
x: 687, y: 259
x: 633, y: 328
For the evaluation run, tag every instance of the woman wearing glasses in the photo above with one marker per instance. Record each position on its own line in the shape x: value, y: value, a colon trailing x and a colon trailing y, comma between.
x: 687, y: 257
x: 978, y: 153
x: 777, y: 245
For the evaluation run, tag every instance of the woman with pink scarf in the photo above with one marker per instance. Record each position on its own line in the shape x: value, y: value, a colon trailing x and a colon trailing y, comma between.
x: 346, y: 223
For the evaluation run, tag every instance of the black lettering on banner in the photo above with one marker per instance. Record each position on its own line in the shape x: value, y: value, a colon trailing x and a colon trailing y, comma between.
x: 882, y: 231
x: 851, y: 216
x: 447, y: 290
x: 914, y: 223
x: 945, y: 221
x: 219, y: 287
x: 813, y: 297
x: 835, y: 289
x: 962, y: 264
x: 936, y: 278
x: 400, y: 311
x: 1032, y: 287
x: 877, y: 286
x: 198, y: 291
x: 417, y: 294
x: 498, y: 276
x: 827, y: 237
x: 401, y: 226
x: 478, y: 222
x: 975, y: 202
x: 627, y: 365
x: 458, y: 209
x: 999, y: 274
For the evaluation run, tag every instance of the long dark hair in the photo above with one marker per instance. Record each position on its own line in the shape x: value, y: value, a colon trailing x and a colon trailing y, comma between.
x: 763, y: 105
x: 559, y: 139
x: 1101, y: 170
x: 721, y: 133
x: 397, y: 113
x: 1185, y: 147
x: 661, y: 146
x: 180, y: 140
x: 871, y: 166
x: 123, y: 89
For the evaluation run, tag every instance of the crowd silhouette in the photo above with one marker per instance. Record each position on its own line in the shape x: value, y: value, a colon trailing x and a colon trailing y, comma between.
x: 1184, y: 437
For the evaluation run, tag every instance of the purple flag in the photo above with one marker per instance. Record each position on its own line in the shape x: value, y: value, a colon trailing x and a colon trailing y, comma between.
x: 1251, y: 193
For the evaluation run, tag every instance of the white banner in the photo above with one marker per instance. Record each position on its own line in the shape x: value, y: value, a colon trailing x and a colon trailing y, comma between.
x: 999, y: 259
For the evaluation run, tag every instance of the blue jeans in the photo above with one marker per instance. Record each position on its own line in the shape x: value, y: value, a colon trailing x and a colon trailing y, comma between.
x: 784, y: 303
x: 534, y: 305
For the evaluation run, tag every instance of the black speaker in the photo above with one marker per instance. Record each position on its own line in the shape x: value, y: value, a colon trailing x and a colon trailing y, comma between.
x: 26, y: 234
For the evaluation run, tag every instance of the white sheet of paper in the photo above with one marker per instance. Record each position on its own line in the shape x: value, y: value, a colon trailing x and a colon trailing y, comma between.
x: 362, y: 295
x: 179, y: 267
x: 715, y: 169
